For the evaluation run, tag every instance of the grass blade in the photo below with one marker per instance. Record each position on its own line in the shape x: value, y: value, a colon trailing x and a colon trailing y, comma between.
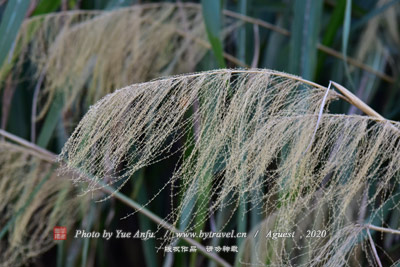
x: 243, y: 33
x: 14, y: 14
x: 60, y: 254
x: 305, y: 29
x: 212, y: 18
x: 345, y: 40
x: 85, y: 249
x: 330, y: 32
x: 51, y: 121
x: 18, y: 120
x: 144, y: 223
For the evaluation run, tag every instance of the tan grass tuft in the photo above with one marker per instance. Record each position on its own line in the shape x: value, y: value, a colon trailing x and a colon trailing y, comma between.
x: 33, y: 214
x: 85, y: 55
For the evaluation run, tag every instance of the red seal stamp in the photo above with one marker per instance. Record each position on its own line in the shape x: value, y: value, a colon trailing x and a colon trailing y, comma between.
x: 60, y: 233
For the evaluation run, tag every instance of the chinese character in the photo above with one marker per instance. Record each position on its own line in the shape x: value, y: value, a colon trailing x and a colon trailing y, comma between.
x: 209, y: 248
x: 234, y: 248
x: 167, y: 249
x: 176, y: 249
x: 226, y: 248
x: 193, y: 249
x: 60, y: 233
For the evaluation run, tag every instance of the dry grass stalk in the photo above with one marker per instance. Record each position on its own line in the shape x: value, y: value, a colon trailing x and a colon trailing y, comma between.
x: 374, y: 249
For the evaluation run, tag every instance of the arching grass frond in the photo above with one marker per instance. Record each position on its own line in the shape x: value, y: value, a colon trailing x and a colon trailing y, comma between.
x: 84, y: 55
x: 252, y: 135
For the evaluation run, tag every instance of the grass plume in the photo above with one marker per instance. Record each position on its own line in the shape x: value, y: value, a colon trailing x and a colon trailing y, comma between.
x: 31, y: 193
x: 85, y: 55
x: 256, y: 126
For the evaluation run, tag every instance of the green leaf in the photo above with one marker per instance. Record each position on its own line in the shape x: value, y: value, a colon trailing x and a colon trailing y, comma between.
x: 212, y: 18
x: 19, y: 118
x: 345, y: 40
x: 334, y: 24
x: 202, y: 201
x: 276, y: 54
x: 241, y: 217
x: 90, y: 221
x: 46, y: 6
x: 14, y: 14
x: 58, y: 205
x: 145, y: 225
x: 51, y: 121
x: 60, y: 254
x: 243, y: 32
x: 187, y: 197
x: 346, y: 27
x: 305, y: 29
x: 222, y: 218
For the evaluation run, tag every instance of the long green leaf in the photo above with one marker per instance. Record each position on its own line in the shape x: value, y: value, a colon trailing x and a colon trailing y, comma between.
x: 243, y: 32
x: 276, y: 55
x: 345, y: 40
x: 60, y: 254
x: 149, y: 246
x: 14, y: 14
x: 19, y: 115
x: 140, y: 193
x: 86, y: 241
x: 241, y: 218
x: 61, y: 245
x: 201, y: 204
x: 335, y: 22
x: 305, y: 29
x: 51, y: 121
x: 212, y: 18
